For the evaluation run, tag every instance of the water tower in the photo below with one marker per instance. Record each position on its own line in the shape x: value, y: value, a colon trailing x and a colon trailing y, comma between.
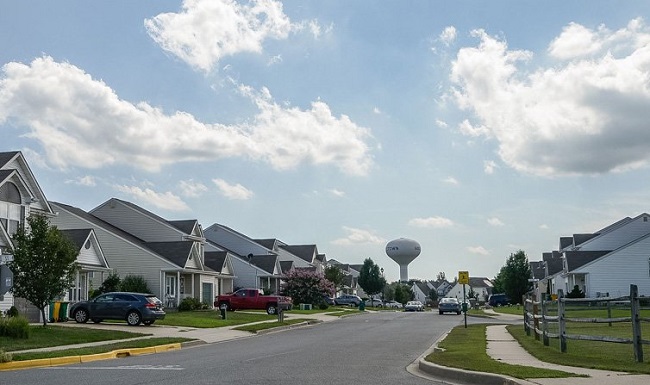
x: 403, y: 251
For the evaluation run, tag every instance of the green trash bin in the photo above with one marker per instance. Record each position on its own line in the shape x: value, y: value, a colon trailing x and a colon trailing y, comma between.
x: 362, y: 306
x: 51, y: 312
x: 63, y: 312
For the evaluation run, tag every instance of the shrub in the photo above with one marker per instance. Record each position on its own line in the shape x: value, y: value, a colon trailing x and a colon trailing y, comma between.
x: 323, y: 306
x: 134, y: 283
x: 12, y: 312
x: 14, y: 327
x: 4, y: 356
x: 189, y: 304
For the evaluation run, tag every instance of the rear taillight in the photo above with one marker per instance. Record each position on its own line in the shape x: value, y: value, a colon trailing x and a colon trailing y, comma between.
x: 150, y: 306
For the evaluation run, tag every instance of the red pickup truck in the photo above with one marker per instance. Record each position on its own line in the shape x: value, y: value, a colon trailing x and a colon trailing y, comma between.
x: 253, y: 299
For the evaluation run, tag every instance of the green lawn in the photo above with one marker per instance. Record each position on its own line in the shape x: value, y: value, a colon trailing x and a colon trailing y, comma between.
x: 253, y: 328
x: 212, y: 318
x: 52, y: 335
x: 588, y: 354
x: 465, y: 348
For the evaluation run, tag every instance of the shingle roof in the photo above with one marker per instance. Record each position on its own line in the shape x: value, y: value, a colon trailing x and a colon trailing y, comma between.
x: 186, y: 226
x: 579, y: 239
x: 576, y: 259
x: 305, y: 252
x: 268, y: 243
x: 565, y: 242
x: 286, y: 266
x: 538, y: 269
x: 215, y: 260
x: 480, y: 282
x: 265, y: 262
x: 423, y: 287
x: 5, y: 157
x: 177, y: 252
x: 77, y: 236
x: 554, y: 262
x: 4, y: 174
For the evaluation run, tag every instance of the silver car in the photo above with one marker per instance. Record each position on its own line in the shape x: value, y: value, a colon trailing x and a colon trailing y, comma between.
x: 348, y: 299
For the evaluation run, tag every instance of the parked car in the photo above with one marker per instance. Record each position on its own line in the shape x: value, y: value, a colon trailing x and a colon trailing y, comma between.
x: 348, y: 299
x: 134, y: 308
x: 252, y: 298
x: 449, y: 305
x: 393, y: 304
x: 496, y: 300
x: 414, y: 306
x: 374, y: 303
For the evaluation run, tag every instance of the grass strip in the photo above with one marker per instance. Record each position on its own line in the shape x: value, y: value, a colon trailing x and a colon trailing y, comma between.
x: 212, y: 318
x: 254, y: 328
x: 141, y: 343
x: 52, y: 335
x: 465, y: 348
x: 586, y: 354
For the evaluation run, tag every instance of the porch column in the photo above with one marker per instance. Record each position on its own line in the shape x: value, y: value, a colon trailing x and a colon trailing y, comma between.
x: 178, y: 288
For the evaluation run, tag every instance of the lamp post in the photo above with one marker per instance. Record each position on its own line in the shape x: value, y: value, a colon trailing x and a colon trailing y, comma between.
x: 382, y: 289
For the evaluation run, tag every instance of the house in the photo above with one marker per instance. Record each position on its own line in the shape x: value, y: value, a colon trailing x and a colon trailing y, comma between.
x: 480, y: 286
x: 169, y: 255
x: 421, y: 292
x: 91, y: 261
x: 20, y: 197
x: 603, y: 263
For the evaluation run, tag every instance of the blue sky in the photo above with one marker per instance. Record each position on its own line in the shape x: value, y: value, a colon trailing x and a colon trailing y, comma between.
x: 476, y: 128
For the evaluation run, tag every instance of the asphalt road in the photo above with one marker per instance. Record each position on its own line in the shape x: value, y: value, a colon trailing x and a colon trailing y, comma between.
x: 372, y: 349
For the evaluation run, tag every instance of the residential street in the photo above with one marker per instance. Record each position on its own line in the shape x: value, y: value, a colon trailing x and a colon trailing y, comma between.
x: 365, y: 349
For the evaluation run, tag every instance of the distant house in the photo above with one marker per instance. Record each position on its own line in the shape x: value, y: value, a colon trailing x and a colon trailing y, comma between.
x: 602, y: 263
x: 421, y: 292
x: 481, y: 286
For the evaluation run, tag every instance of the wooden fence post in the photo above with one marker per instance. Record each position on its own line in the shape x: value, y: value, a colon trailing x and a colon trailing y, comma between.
x: 535, y: 319
x: 544, y: 322
x: 609, y: 311
x: 561, y: 322
x: 636, y: 323
x: 526, y: 325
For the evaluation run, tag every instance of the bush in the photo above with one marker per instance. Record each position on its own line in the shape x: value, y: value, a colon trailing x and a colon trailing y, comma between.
x: 135, y: 284
x: 5, y: 357
x: 189, y: 304
x: 12, y: 312
x: 14, y: 327
x: 323, y: 306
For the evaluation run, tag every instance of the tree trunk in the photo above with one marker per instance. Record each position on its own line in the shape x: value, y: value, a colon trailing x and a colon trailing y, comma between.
x: 43, y: 316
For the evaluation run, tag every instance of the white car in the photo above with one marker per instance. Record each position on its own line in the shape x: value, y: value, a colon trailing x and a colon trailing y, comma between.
x: 414, y: 306
x: 393, y: 304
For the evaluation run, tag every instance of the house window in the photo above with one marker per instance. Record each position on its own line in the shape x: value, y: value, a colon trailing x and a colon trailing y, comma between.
x: 10, y: 208
x: 170, y: 286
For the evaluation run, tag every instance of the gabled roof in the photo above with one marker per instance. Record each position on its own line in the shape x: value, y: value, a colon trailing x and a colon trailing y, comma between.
x: 537, y: 269
x: 424, y: 288
x: 579, y: 239
x: 187, y: 226
x: 176, y: 252
x: 77, y: 236
x: 268, y: 243
x: 576, y: 259
x: 265, y: 262
x: 480, y: 282
x: 554, y: 262
x: 356, y: 267
x: 286, y: 266
x: 80, y: 237
x: 6, y: 157
x: 38, y: 200
x: 565, y: 242
x: 306, y: 252
x: 215, y: 260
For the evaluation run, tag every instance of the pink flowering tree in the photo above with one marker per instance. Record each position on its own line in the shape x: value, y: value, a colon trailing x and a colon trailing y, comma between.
x: 305, y: 286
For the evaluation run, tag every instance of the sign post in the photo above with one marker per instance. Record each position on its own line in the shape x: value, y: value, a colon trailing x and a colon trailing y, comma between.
x: 463, y: 279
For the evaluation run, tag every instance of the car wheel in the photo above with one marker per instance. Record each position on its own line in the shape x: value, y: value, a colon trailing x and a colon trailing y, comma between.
x: 81, y: 316
x: 147, y: 323
x: 440, y: 311
x: 96, y: 320
x: 133, y: 318
x: 458, y: 312
x: 271, y: 309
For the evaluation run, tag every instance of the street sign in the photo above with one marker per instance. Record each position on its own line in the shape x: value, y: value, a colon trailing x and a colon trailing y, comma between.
x: 463, y: 277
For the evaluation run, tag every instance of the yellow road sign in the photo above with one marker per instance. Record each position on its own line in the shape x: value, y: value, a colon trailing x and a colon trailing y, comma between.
x: 463, y: 277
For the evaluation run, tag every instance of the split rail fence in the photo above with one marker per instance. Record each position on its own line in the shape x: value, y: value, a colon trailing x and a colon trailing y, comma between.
x: 540, y: 320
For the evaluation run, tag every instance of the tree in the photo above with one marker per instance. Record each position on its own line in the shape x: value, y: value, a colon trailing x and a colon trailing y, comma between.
x: 403, y: 293
x: 335, y: 275
x: 304, y: 286
x: 441, y: 276
x: 44, y: 263
x: 370, y: 278
x: 514, y: 276
x: 111, y: 283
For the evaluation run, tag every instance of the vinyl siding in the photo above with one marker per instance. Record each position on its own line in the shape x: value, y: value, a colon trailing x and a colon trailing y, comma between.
x: 89, y: 256
x: 123, y: 257
x: 615, y: 272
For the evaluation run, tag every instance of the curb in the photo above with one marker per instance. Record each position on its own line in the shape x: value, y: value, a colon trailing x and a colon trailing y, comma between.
x: 466, y: 376
x: 119, y: 353
x: 280, y: 328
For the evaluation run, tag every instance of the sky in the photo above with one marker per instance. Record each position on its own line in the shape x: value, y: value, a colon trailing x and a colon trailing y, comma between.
x: 476, y: 128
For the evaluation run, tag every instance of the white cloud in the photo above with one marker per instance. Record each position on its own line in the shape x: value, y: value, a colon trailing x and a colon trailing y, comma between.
x: 81, y: 122
x: 336, y: 192
x: 543, y: 227
x: 207, y: 30
x: 166, y: 201
x: 552, y: 121
x: 358, y: 236
x: 489, y: 166
x: 435, y: 222
x: 376, y: 111
x: 88, y: 181
x: 480, y: 250
x: 275, y: 60
x: 495, y: 222
x: 441, y: 123
x: 190, y: 188
x: 233, y: 191
x: 448, y: 35
x: 451, y: 180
